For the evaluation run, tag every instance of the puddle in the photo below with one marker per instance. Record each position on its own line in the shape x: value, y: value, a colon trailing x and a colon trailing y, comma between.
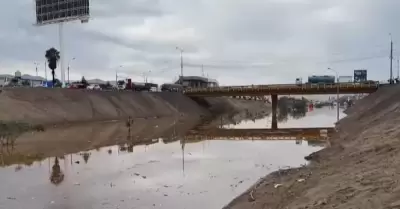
x: 143, y: 170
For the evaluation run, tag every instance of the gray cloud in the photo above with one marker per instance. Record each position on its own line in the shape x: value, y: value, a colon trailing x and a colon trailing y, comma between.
x: 246, y: 41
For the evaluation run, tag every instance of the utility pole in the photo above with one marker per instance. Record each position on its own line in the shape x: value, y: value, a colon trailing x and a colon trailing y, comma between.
x: 337, y: 98
x: 202, y: 70
x: 36, y: 64
x: 116, y: 75
x: 68, y: 73
x: 398, y: 67
x: 181, y: 51
x: 45, y: 70
x: 337, y: 93
x: 391, y: 60
x: 69, y: 67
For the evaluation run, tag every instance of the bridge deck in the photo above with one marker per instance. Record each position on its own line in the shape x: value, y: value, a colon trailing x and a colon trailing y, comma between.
x: 263, y: 134
x: 283, y: 89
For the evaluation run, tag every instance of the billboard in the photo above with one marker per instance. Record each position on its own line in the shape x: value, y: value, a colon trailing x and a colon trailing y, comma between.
x: 360, y: 76
x: 55, y: 11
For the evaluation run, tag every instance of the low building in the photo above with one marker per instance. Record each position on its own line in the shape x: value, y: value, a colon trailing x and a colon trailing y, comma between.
x: 33, y: 80
x: 19, y: 79
x: 197, y: 82
x: 5, y: 79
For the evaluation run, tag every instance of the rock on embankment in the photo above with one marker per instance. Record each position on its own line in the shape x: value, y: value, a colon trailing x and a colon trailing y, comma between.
x: 46, y: 106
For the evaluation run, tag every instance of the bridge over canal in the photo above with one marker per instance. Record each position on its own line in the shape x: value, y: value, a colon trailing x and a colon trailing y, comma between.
x: 283, y: 89
x: 262, y: 134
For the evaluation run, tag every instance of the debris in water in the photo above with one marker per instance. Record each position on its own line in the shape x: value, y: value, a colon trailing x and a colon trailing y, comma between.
x: 144, y: 177
x: 11, y: 198
x: 77, y: 162
x: 277, y: 185
x: 301, y: 180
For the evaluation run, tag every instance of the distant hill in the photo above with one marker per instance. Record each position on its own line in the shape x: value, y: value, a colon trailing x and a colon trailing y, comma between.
x: 25, y: 76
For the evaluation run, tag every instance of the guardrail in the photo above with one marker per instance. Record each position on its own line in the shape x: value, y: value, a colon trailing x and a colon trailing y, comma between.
x: 283, y: 86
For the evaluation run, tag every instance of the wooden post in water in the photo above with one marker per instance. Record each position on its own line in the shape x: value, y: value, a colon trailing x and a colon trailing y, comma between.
x: 274, y: 99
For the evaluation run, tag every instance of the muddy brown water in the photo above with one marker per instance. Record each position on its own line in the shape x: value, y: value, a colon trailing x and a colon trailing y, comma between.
x: 177, y: 174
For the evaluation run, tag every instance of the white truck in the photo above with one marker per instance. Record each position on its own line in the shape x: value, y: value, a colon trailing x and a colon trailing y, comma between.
x: 299, y: 81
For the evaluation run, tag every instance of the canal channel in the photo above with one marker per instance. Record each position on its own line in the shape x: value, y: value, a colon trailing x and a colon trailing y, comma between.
x: 161, y: 172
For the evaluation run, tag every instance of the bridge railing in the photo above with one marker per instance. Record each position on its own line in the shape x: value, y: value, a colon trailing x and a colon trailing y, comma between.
x: 273, y: 87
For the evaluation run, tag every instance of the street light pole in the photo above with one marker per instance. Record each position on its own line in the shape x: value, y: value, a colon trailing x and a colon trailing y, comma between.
x: 45, y: 71
x: 36, y: 64
x: 69, y: 67
x: 181, y: 51
x: 147, y: 76
x: 116, y: 75
x: 337, y: 93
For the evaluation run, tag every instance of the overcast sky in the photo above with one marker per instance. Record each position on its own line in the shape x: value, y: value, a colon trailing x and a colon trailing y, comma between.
x: 237, y: 41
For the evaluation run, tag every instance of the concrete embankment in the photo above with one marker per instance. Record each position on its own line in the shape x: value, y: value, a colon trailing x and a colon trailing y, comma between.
x: 359, y: 170
x: 53, y: 106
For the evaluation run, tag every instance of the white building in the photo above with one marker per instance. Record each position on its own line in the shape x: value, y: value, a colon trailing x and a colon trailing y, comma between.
x: 33, y: 80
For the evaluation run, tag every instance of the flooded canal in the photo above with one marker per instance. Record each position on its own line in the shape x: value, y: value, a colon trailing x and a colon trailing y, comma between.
x: 159, y: 171
x: 318, y: 117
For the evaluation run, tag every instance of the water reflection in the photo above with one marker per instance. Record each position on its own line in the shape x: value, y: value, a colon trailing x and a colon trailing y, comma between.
x: 148, y: 164
x: 57, y: 176
x: 284, y: 114
x: 86, y: 156
x: 288, y: 106
x: 200, y: 173
x: 321, y: 133
x: 323, y: 117
x: 13, y: 153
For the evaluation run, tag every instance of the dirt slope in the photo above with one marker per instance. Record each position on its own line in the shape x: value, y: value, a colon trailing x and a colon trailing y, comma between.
x: 45, y: 106
x: 360, y: 170
x: 39, y: 105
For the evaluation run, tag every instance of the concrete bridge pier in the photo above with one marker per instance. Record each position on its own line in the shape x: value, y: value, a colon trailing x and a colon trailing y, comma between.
x: 274, y: 98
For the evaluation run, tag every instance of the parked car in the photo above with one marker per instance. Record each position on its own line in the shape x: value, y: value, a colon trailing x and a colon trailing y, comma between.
x: 94, y: 87
x: 172, y: 87
x: 76, y: 86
